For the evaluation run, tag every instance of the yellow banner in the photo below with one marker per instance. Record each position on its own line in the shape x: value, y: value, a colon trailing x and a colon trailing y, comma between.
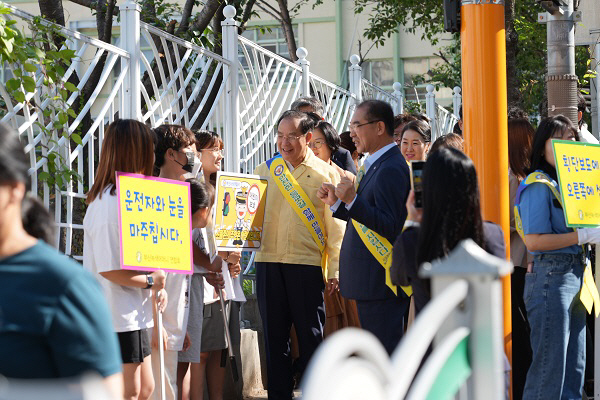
x: 381, y: 249
x: 298, y: 200
x: 578, y: 167
x: 154, y: 223
x: 239, y: 211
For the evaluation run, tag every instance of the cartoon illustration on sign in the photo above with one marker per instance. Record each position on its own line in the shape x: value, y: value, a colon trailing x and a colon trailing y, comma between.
x: 241, y: 210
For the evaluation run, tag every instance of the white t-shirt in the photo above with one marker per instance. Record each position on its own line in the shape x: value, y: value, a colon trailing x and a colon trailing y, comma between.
x: 175, y: 316
x: 131, y: 307
x: 585, y: 136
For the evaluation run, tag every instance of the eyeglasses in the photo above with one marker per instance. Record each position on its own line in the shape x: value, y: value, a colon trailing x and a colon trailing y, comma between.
x: 355, y: 125
x: 215, y: 150
x: 316, y: 144
x: 290, y: 138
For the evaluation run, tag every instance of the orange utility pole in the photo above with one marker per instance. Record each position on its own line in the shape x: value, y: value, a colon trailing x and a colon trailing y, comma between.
x: 483, y: 41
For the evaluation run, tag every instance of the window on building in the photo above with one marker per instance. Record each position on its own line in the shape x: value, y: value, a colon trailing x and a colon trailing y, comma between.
x: 271, y: 38
x: 414, y: 67
x: 379, y: 72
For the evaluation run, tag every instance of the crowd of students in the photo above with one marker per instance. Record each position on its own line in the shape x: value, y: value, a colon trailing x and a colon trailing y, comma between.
x: 315, y: 273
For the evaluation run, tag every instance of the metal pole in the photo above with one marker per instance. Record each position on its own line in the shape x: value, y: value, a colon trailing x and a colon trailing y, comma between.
x: 161, y: 350
x: 355, y: 79
x: 561, y: 80
x: 301, y: 53
x: 230, y: 52
x: 456, y: 101
x: 399, y: 109
x: 484, y: 115
x: 431, y: 111
x: 130, y: 41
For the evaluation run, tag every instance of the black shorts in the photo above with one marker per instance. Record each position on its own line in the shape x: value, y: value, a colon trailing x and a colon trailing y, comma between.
x: 135, y: 346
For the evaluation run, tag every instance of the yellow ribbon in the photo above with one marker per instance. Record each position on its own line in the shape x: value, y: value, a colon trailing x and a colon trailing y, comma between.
x: 377, y: 245
x: 297, y: 199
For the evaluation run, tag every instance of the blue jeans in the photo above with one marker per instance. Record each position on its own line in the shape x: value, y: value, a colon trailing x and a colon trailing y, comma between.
x: 557, y: 319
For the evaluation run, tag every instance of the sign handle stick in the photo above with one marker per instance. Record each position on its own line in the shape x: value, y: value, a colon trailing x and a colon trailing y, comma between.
x: 232, y: 361
x: 161, y: 350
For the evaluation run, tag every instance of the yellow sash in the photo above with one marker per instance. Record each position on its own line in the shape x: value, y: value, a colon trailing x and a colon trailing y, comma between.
x: 589, y: 292
x: 297, y: 199
x: 378, y: 246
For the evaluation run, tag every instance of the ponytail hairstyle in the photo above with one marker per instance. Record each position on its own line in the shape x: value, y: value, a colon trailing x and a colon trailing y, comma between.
x: 14, y: 167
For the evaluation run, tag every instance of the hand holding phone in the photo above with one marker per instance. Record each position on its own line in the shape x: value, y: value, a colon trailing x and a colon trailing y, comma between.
x: 416, y: 181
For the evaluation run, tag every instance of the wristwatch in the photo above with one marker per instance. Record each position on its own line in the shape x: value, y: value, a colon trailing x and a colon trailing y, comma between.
x: 149, y: 281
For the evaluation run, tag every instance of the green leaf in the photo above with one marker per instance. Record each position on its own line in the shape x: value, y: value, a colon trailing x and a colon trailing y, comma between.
x: 29, y: 84
x: 39, y: 53
x: 44, y: 176
x: 76, y: 138
x: 63, y: 118
x: 29, y: 67
x: 67, y: 54
x: 71, y: 113
x: 17, y: 73
x: 13, y: 84
x: 70, y: 87
x: 19, y: 97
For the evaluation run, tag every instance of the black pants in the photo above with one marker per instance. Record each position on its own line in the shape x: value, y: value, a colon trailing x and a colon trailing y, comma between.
x: 384, y: 319
x: 286, y: 294
x: 521, y: 350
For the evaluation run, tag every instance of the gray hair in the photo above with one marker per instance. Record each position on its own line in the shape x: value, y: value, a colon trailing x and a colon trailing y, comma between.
x: 312, y: 102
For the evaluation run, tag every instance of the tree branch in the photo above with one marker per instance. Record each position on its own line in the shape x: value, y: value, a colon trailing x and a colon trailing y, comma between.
x: 91, y: 5
x: 273, y: 9
x: 205, y: 16
x: 247, y: 13
x: 185, y: 17
x: 269, y: 12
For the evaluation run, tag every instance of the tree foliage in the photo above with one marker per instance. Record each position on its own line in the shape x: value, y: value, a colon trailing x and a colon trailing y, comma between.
x: 529, y: 51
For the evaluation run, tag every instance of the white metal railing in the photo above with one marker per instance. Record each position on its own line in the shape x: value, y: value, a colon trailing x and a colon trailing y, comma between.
x: 338, y: 102
x: 370, y: 91
x: 180, y: 80
x: 239, y: 95
x: 463, y: 319
x: 66, y: 202
x: 442, y: 120
x: 268, y: 85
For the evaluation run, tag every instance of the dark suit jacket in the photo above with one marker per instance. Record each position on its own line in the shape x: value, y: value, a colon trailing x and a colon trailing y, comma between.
x: 404, y: 263
x: 381, y: 206
x: 343, y: 159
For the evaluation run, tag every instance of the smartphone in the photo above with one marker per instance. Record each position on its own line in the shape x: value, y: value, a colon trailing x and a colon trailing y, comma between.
x: 416, y: 181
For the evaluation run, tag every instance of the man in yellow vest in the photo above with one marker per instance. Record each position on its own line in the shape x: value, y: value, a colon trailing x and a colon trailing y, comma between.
x: 374, y: 206
x: 300, y: 250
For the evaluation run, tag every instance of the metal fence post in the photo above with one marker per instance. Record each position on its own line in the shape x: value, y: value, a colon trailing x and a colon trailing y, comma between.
x: 355, y: 78
x: 481, y: 312
x: 301, y: 53
x: 130, y: 42
x: 399, y: 109
x: 230, y: 53
x: 430, y: 109
x: 456, y: 100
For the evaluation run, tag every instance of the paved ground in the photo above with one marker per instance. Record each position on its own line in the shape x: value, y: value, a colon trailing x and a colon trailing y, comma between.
x: 262, y: 395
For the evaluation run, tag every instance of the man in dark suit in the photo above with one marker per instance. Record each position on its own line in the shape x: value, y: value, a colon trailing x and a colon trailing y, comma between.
x: 378, y: 203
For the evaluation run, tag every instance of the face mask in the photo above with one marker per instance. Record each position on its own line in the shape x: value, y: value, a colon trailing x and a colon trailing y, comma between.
x: 191, y: 161
x: 195, y: 170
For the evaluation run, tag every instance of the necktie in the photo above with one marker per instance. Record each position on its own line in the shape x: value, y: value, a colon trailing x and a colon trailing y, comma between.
x: 359, y: 176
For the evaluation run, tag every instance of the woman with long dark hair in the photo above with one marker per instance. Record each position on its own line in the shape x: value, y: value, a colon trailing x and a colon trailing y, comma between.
x: 554, y: 309
x: 451, y: 213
